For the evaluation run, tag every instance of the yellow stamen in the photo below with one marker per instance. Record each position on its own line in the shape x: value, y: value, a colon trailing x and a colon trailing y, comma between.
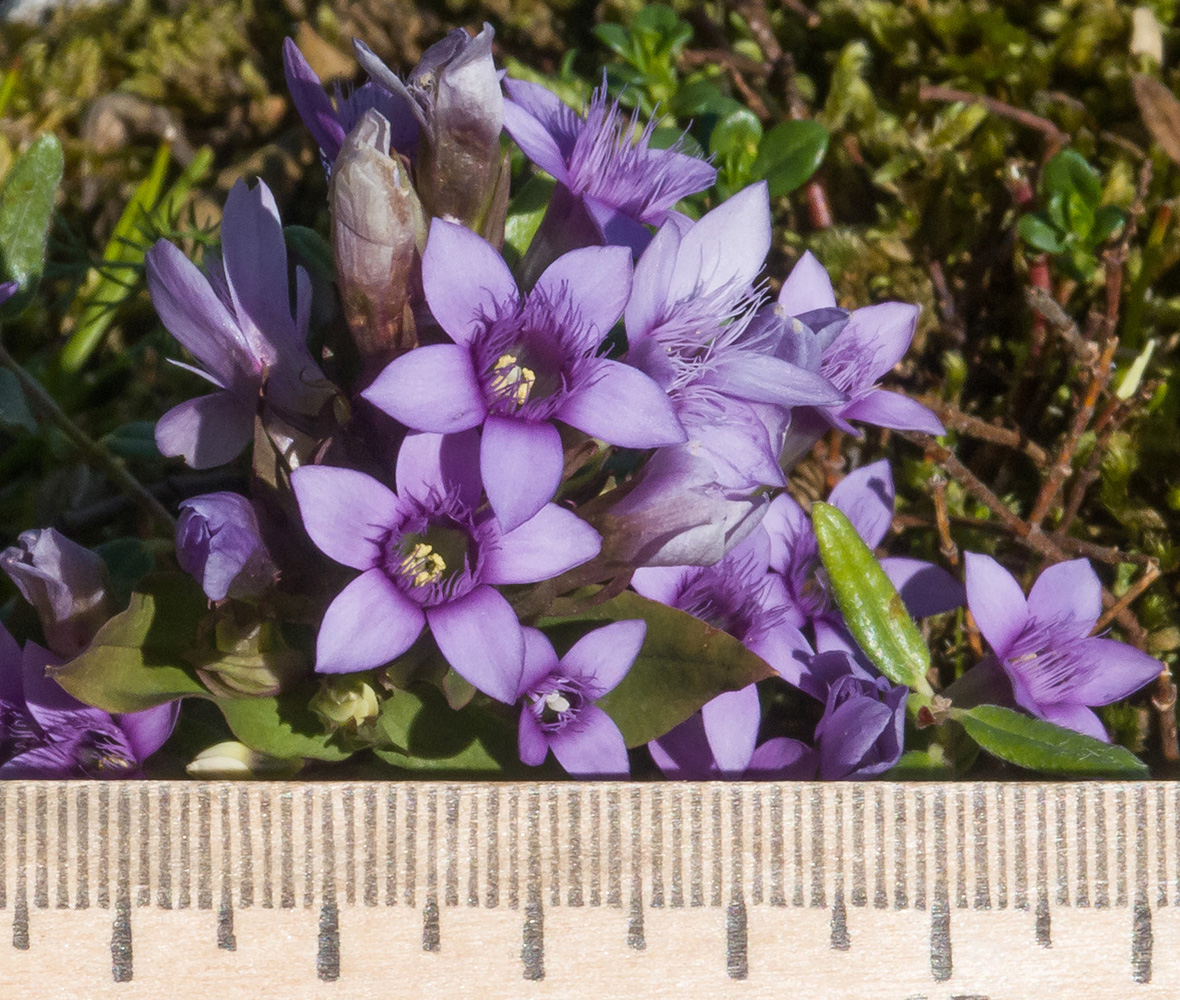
x: 512, y: 379
x: 423, y: 565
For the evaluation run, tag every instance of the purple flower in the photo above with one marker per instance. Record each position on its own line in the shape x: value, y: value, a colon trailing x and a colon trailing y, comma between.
x: 236, y: 320
x: 7, y: 290
x: 603, y: 161
x: 853, y: 350
x: 218, y: 542
x: 739, y: 596
x: 684, y: 754
x: 427, y: 556
x: 559, y: 713
x: 1057, y: 669
x: 518, y: 364
x: 66, y: 583
x: 329, y: 124
x: 454, y: 93
x: 46, y: 733
x: 862, y: 730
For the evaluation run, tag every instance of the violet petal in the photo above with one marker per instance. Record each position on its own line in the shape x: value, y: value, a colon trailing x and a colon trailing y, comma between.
x: 431, y: 388
x: 882, y: 408
x: 534, y: 747
x: 595, y: 282
x: 481, y: 639
x: 206, y: 431
x: 593, y: 747
x: 996, y: 602
x: 731, y: 723
x: 346, y: 512
x: 368, y: 624
x: 602, y: 658
x: 622, y: 406
x: 545, y: 546
x: 1067, y: 591
x: 807, y: 287
x: 465, y: 280
x: 520, y: 463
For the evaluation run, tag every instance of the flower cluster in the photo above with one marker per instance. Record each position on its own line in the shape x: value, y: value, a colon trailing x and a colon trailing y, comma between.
x: 454, y: 490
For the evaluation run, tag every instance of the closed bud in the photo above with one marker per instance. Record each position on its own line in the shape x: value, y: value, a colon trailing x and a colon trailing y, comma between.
x: 346, y: 703
x: 378, y: 232
x: 233, y: 761
x: 66, y: 583
x: 218, y: 542
x: 249, y: 657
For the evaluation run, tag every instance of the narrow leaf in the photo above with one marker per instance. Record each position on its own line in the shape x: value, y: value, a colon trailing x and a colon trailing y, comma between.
x: 26, y: 210
x: 14, y: 408
x: 1042, y: 746
x: 683, y: 664
x: 872, y: 608
x: 138, y: 658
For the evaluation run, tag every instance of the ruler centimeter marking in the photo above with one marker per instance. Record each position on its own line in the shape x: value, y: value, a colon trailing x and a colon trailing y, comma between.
x: 741, y: 851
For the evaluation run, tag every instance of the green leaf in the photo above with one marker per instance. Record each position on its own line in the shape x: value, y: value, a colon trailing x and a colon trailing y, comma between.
x: 1068, y: 172
x: 14, y: 408
x: 1039, y: 235
x: 1107, y: 221
x: 683, y: 663
x: 614, y: 37
x: 314, y: 252
x: 921, y: 765
x: 1042, y: 746
x: 26, y: 210
x: 134, y: 440
x: 702, y: 97
x: 128, y: 561
x: 137, y: 659
x: 789, y: 155
x: 737, y: 134
x: 282, y: 726
x: 109, y: 286
x: 872, y: 608
x: 428, y: 735
x: 526, y: 211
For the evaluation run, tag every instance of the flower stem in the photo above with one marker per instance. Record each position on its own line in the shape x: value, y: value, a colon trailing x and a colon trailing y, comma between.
x: 91, y: 450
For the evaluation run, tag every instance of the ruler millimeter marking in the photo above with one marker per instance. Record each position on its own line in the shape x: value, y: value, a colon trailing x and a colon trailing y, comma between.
x: 759, y: 864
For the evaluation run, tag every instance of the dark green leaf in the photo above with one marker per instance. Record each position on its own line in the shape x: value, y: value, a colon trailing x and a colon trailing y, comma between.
x: 789, y: 155
x: 282, y: 726
x: 615, y: 38
x: 1041, y: 746
x: 428, y: 735
x: 314, y: 252
x: 128, y: 561
x: 701, y: 98
x: 26, y: 209
x: 872, y: 608
x: 138, y: 658
x: 683, y: 664
x: 1107, y: 221
x: 14, y: 408
x: 134, y: 440
x: 1068, y: 172
x: 526, y: 211
x: 1039, y: 235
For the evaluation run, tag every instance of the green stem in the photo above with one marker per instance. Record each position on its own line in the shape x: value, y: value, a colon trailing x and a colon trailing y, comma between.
x: 91, y: 450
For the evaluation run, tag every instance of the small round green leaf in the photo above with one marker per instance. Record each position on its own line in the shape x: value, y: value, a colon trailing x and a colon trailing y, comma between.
x: 789, y: 155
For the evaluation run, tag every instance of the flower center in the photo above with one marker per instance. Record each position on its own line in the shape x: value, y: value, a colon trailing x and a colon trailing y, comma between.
x: 558, y: 702
x: 511, y: 381
x: 432, y: 557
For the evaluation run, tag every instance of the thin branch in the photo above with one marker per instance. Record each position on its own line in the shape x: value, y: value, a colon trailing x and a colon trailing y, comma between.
x: 1055, y: 137
x: 955, y: 419
x: 1150, y: 575
x: 91, y: 450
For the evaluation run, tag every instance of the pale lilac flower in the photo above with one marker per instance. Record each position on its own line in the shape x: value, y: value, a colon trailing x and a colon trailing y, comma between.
x: 67, y: 584
x: 236, y: 320
x: 219, y: 543
x: 330, y: 123
x: 454, y: 94
x: 427, y: 556
x: 1057, y: 669
x: 519, y: 363
x: 559, y: 713
x: 603, y: 163
x: 862, y: 730
x: 738, y: 596
x: 853, y: 350
x: 46, y: 733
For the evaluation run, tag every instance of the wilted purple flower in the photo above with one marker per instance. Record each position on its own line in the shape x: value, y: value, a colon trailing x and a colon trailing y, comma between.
x: 427, y: 557
x: 738, y: 596
x: 46, y: 733
x: 604, y: 164
x: 378, y: 232
x: 236, y: 320
x: 330, y: 124
x: 218, y: 542
x: 854, y: 350
x: 66, y: 583
x: 862, y: 730
x: 559, y: 713
x: 1043, y: 644
x: 454, y: 93
x: 517, y: 364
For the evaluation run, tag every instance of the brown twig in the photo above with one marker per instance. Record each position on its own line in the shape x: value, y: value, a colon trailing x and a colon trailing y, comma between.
x: 1150, y: 575
x: 955, y: 419
x: 947, y: 546
x: 1164, y: 702
x: 1053, y: 135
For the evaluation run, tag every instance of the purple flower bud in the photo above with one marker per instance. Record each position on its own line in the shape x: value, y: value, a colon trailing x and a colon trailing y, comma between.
x: 861, y: 732
x: 65, y: 582
x: 218, y: 542
x: 455, y: 94
x: 378, y: 231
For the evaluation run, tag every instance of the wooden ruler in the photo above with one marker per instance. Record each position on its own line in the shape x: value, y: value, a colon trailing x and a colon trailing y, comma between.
x: 151, y: 889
